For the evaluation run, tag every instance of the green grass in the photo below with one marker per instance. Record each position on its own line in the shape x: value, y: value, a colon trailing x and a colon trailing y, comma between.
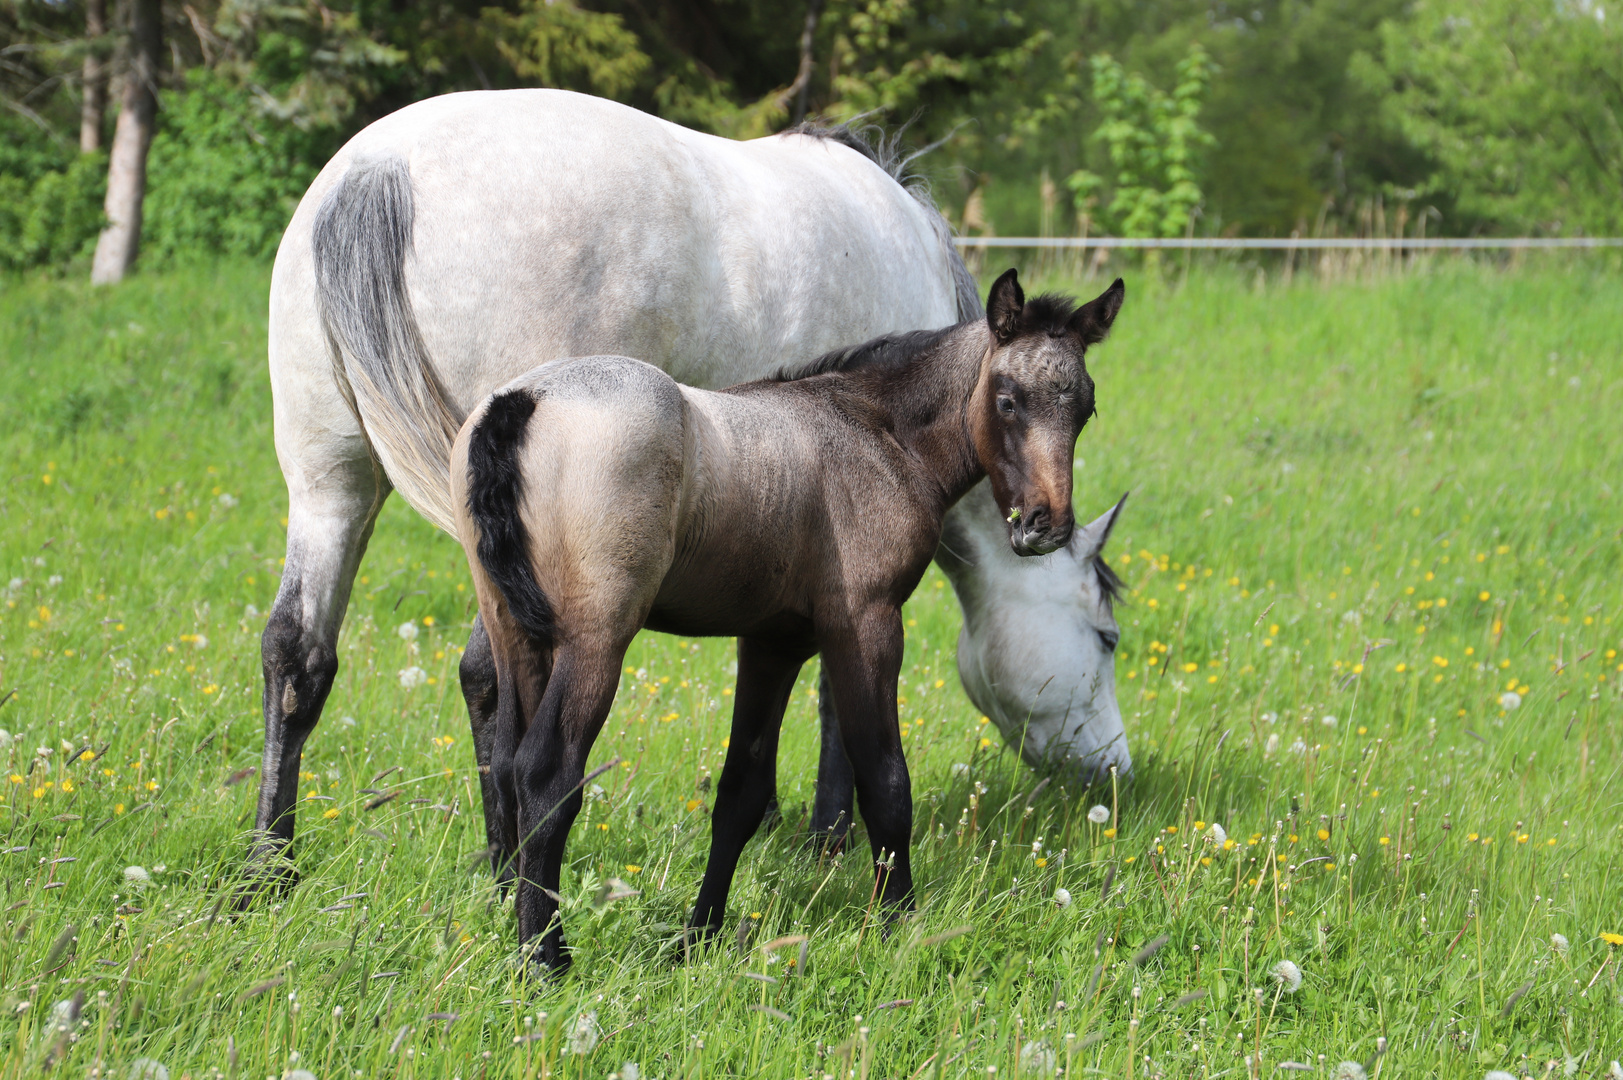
x: 1315, y: 471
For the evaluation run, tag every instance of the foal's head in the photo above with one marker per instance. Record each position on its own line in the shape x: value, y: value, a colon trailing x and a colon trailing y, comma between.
x: 1033, y: 397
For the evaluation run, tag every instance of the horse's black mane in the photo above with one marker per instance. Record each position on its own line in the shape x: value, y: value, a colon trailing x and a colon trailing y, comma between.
x: 888, y: 352
x: 1045, y: 314
x: 1110, y: 585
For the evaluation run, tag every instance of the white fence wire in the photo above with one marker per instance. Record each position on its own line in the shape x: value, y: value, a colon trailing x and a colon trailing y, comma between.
x: 1291, y: 243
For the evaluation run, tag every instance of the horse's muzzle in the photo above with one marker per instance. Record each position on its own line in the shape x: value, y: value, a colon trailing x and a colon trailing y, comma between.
x: 1037, y: 533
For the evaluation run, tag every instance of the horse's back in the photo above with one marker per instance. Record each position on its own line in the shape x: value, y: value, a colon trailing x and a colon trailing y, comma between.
x: 548, y: 223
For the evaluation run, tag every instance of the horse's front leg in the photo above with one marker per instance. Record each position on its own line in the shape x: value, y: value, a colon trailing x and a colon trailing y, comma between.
x: 863, y: 661
x: 831, y: 811
x: 766, y: 677
x: 548, y: 767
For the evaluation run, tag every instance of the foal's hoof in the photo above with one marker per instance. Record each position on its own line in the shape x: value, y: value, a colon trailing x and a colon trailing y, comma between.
x: 269, y: 870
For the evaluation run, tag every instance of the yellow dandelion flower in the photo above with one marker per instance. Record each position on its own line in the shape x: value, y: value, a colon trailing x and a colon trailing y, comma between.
x: 1612, y: 939
x: 330, y: 812
x: 633, y: 868
x: 1324, y: 834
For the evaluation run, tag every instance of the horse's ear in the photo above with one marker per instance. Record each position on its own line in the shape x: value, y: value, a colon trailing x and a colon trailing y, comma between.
x: 1004, y: 304
x: 1092, y: 320
x: 1089, y: 541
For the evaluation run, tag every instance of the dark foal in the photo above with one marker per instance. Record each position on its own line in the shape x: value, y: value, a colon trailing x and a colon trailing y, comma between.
x: 596, y: 497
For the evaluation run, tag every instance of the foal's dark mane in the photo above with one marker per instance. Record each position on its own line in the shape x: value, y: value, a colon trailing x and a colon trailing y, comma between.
x: 1045, y: 314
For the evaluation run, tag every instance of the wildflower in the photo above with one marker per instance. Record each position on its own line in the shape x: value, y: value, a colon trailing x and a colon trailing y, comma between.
x: 584, y: 1034
x: 148, y: 1069
x: 1348, y: 1070
x: 1612, y: 939
x: 1499, y: 1074
x: 1062, y: 898
x: 414, y: 676
x: 628, y: 1071
x: 137, y: 876
x: 1287, y: 975
x: 1329, y: 721
x: 1272, y: 746
x: 1099, y: 814
x: 1217, y: 834
x: 1559, y: 943
x: 407, y: 631
x: 1510, y: 701
x: 199, y: 641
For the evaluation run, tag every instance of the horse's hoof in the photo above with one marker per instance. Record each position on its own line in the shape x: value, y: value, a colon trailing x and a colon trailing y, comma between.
x: 265, y: 873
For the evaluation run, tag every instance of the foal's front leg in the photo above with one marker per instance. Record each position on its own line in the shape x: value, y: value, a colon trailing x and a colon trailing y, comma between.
x: 548, y: 768
x: 766, y: 678
x: 863, y: 661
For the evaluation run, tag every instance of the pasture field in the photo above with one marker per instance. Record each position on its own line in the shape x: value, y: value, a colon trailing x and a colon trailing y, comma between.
x: 1372, y: 631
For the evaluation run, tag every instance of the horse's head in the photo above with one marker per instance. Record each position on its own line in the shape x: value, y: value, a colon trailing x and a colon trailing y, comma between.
x: 1033, y: 397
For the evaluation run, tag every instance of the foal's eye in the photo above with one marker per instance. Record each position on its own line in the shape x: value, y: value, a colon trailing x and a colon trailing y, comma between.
x: 1005, y: 405
x: 1109, y: 638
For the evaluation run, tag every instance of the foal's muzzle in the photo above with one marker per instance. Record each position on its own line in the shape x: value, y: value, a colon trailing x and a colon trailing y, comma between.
x: 1037, y: 533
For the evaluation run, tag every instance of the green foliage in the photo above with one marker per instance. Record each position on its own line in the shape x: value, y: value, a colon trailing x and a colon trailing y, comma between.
x: 226, y: 172
x: 1321, y: 451
x: 1155, y: 140
x: 555, y: 43
x: 1519, y: 105
x: 54, y: 220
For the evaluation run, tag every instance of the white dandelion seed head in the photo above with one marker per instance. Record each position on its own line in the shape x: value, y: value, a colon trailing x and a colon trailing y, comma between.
x: 250, y: 612
x: 200, y: 642
x: 347, y: 721
x: 1217, y: 833
x: 14, y: 584
x: 148, y: 1069
x: 584, y: 1033
x: 628, y: 1071
x: 407, y: 631
x: 227, y: 500
x: 1499, y: 1074
x: 54, y: 580
x: 1037, y: 1058
x: 137, y: 876
x: 1062, y: 898
x: 1615, y: 1072
x: 1298, y: 747
x: 1271, y: 747
x: 5, y: 740
x: 301, y: 1074
x: 1099, y: 814
x: 1559, y: 943
x: 1510, y: 701
x: 959, y: 770
x: 1287, y: 975
x: 1348, y: 1070
x: 413, y: 677
x: 1329, y: 721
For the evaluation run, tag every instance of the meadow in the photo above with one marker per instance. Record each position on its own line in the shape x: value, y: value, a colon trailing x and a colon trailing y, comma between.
x: 1369, y: 667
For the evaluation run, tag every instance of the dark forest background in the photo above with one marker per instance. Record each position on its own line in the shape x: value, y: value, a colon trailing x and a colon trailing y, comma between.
x: 1155, y: 117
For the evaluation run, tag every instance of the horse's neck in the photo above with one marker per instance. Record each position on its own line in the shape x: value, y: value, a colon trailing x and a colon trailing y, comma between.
x: 928, y: 407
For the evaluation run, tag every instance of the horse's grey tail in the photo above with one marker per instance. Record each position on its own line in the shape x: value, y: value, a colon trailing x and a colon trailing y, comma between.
x: 495, y: 497
x: 361, y: 239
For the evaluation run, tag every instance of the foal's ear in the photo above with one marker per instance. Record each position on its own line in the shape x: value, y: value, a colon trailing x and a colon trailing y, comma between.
x: 1091, y: 322
x: 1004, y: 304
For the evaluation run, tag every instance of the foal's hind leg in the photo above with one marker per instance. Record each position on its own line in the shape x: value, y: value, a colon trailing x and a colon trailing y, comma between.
x: 766, y: 677
x: 548, y: 767
x: 491, y: 740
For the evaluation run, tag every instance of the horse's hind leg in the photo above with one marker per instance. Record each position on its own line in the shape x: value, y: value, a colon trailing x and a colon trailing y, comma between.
x: 328, y: 527
x: 548, y: 766
x: 766, y: 677
x: 493, y: 744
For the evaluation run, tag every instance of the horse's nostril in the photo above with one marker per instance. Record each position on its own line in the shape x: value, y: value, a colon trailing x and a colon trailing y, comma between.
x: 1039, y: 520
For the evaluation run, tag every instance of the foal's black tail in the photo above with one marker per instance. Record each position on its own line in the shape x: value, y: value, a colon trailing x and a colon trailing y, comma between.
x: 495, y: 491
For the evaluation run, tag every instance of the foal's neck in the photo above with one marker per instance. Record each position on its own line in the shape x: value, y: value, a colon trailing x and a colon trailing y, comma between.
x: 927, y: 402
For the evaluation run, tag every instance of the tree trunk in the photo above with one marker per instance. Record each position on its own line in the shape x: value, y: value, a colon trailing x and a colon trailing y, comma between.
x: 808, y: 37
x: 94, y: 108
x: 127, y: 165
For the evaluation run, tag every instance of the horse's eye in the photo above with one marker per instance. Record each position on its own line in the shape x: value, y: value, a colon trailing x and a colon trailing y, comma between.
x: 1110, y: 638
x: 1005, y: 405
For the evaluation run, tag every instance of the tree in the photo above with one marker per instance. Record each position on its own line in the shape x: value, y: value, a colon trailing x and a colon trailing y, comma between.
x: 1519, y: 105
x: 127, y: 164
